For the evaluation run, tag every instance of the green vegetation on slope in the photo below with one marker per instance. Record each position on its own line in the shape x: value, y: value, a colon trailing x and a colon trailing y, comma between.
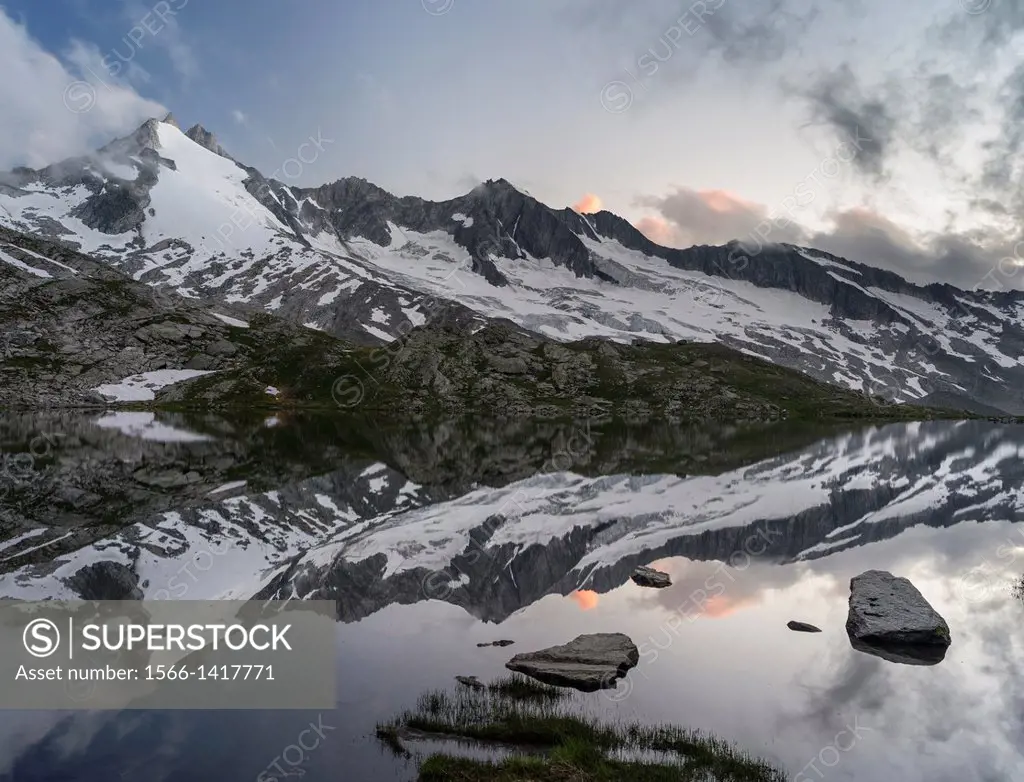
x: 502, y: 370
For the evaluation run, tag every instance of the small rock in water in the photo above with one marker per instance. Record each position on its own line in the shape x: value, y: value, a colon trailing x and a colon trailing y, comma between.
x: 803, y: 627
x: 891, y: 619
x: 470, y: 681
x: 498, y: 643
x: 649, y: 577
x: 588, y: 662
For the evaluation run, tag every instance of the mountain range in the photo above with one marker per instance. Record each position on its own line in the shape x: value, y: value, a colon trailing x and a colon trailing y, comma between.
x: 175, y: 211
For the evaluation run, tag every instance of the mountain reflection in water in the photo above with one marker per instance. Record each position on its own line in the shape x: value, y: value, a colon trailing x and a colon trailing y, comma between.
x: 451, y: 534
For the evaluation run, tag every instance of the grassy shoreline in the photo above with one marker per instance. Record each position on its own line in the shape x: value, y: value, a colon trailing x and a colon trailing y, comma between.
x: 560, y: 741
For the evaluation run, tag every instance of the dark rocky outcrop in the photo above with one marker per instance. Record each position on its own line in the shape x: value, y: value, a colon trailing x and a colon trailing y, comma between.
x: 207, y: 140
x: 87, y: 325
x: 496, y: 219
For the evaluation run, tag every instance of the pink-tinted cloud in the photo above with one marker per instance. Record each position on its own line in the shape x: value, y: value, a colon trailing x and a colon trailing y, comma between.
x: 688, y: 217
x: 589, y: 204
x: 660, y: 231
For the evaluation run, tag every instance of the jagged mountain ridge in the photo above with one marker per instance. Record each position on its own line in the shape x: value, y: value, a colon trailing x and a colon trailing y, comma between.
x: 174, y: 209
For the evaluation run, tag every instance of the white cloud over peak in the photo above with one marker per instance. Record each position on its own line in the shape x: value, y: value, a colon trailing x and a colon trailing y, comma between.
x: 54, y: 109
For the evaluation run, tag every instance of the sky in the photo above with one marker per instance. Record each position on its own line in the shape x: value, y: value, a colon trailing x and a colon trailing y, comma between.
x: 888, y: 133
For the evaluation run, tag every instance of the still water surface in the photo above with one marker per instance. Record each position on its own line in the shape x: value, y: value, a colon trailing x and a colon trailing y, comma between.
x: 777, y: 535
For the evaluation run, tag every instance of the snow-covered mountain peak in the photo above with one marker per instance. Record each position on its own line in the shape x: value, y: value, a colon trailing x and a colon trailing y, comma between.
x: 145, y: 137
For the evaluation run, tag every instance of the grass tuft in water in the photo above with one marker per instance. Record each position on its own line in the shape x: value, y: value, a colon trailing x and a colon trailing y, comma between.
x: 575, y: 746
x: 387, y: 734
x: 518, y: 687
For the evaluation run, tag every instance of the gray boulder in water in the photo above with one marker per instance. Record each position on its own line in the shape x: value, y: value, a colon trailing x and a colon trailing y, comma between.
x: 888, y: 613
x: 649, y: 577
x: 588, y: 662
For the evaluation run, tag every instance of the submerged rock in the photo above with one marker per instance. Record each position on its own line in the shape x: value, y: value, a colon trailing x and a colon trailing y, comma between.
x: 470, y: 681
x: 649, y: 577
x: 906, y: 654
x: 588, y: 662
x: 803, y: 627
x: 890, y: 618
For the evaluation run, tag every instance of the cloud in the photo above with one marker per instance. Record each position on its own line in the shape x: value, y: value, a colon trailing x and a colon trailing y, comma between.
x: 766, y: 36
x: 687, y: 217
x: 52, y: 110
x: 88, y: 59
x: 935, y: 106
x: 239, y: 117
x: 589, y: 204
x: 676, y: 40
x: 157, y: 26
x: 942, y: 117
x: 980, y: 258
x: 660, y: 231
x: 835, y: 100
x: 991, y: 29
x: 468, y: 182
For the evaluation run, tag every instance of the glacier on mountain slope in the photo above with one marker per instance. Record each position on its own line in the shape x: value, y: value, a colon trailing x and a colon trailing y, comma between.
x: 663, y: 303
x: 202, y: 199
